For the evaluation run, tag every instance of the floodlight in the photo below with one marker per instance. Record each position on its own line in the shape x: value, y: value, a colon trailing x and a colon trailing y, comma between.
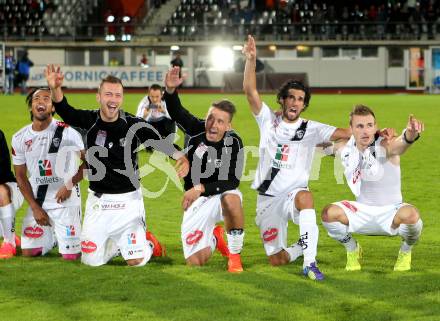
x: 222, y: 58
x: 126, y: 19
x: 110, y: 18
x: 175, y: 47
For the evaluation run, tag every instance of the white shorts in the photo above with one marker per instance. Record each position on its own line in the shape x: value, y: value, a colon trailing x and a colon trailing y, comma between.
x: 65, y: 230
x: 16, y: 196
x: 370, y: 220
x: 273, y: 214
x: 199, y: 221
x: 113, y: 223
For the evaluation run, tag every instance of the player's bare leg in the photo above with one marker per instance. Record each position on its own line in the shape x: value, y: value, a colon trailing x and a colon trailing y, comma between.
x: 336, y: 223
x: 407, y: 220
x: 234, y: 223
x: 201, y: 257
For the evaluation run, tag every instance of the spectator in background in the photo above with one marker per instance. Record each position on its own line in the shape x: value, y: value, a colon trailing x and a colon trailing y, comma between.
x: 23, y: 67
x: 144, y: 61
x: 9, y: 73
x: 177, y: 61
x: 113, y: 62
x: 153, y: 110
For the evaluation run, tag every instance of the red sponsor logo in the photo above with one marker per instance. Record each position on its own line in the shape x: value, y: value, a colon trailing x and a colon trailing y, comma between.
x: 350, y: 206
x: 28, y: 144
x: 270, y: 235
x: 116, y: 206
x: 194, y: 238
x: 357, y: 175
x: 62, y: 124
x: 33, y: 232
x: 88, y: 247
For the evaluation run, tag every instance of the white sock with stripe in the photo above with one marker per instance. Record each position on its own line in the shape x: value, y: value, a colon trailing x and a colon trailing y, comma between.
x: 7, y: 221
x: 339, y: 232
x: 309, y: 234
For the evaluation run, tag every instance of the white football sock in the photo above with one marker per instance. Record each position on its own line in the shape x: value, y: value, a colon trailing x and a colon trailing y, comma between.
x: 7, y: 221
x: 339, y: 232
x: 309, y: 234
x: 410, y: 234
x: 294, y: 251
x: 235, y: 240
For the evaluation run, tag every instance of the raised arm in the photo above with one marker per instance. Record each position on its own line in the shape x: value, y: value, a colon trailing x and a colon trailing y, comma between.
x: 400, y: 144
x: 341, y: 133
x: 79, y: 118
x: 190, y: 124
x: 250, y: 78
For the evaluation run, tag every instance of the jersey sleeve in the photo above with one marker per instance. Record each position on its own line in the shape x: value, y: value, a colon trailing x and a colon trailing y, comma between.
x: 140, y: 109
x: 83, y: 119
x: 17, y: 150
x: 324, y: 132
x: 76, y: 139
x: 265, y: 116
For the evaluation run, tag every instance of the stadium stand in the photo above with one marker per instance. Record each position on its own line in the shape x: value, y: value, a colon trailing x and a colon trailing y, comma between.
x: 272, y: 20
x: 301, y: 20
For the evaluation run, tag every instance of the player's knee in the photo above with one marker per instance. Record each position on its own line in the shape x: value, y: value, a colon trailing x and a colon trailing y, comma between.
x: 333, y: 213
x: 326, y: 213
x: 134, y: 262
x: 304, y: 200
x: 410, y: 215
x: 32, y: 252
x: 231, y: 204
x: 71, y: 257
x: 195, y: 260
x: 5, y: 195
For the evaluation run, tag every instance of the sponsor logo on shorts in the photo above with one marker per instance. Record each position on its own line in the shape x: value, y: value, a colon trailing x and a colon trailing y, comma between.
x: 350, y: 206
x: 270, y: 234
x: 70, y: 230
x: 33, y: 232
x: 194, y: 238
x: 131, y: 238
x: 115, y: 206
x: 88, y: 247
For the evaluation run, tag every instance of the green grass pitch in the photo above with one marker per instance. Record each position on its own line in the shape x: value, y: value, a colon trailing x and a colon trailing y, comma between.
x: 47, y: 288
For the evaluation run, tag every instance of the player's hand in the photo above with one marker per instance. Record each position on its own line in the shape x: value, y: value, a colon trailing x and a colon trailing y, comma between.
x: 54, y: 76
x: 173, y: 79
x: 413, y: 128
x: 63, y: 194
x: 190, y: 196
x: 41, y: 216
x: 250, y: 49
x: 387, y: 133
x: 182, y: 166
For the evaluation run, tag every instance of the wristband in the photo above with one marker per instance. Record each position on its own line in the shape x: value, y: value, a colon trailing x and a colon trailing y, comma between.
x: 406, y: 139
